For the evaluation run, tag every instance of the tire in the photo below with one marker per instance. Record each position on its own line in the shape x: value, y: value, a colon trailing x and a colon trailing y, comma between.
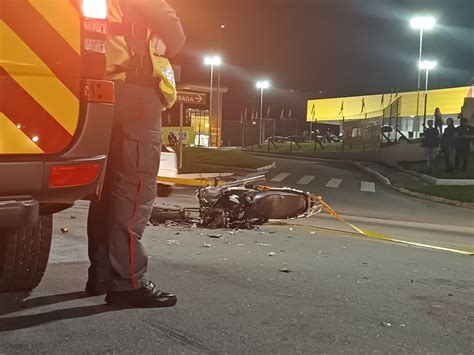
x: 24, y: 254
x: 163, y: 190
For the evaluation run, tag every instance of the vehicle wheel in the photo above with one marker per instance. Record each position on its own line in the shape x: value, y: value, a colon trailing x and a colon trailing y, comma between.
x: 24, y: 253
x: 163, y: 190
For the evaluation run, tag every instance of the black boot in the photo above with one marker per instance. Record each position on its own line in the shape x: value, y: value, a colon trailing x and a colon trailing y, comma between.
x: 147, y: 296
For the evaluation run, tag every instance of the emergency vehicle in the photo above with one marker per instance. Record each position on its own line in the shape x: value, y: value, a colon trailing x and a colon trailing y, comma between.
x: 55, y: 122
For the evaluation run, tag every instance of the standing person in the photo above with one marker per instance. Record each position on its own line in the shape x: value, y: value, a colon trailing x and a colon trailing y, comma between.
x: 464, y: 136
x: 430, y: 143
x: 117, y: 220
x: 448, y: 146
x: 438, y: 120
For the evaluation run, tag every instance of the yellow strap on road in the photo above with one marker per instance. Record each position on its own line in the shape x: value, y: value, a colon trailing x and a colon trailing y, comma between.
x: 190, y: 182
x: 375, y: 235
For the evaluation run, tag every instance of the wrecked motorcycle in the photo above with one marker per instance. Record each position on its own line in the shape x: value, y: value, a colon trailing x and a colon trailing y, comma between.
x: 244, y: 204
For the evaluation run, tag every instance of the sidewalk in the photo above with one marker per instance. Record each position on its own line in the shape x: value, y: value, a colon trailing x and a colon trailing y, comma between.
x: 412, y: 185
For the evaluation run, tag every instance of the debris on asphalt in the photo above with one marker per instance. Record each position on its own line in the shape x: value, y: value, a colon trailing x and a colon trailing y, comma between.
x: 285, y: 270
x: 450, y: 294
x: 313, y: 232
x: 385, y: 324
x: 73, y: 217
x: 264, y: 245
x: 272, y: 253
x: 291, y: 229
x: 262, y: 233
x: 214, y: 236
x: 272, y: 232
x: 282, y: 251
x: 173, y: 242
x: 205, y: 245
x: 403, y: 325
x: 240, y: 245
x: 64, y: 230
x: 177, y: 233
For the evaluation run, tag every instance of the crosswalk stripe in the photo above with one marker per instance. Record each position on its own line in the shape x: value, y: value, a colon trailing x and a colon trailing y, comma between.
x: 280, y: 177
x: 305, y: 180
x: 334, y: 183
x: 367, y: 186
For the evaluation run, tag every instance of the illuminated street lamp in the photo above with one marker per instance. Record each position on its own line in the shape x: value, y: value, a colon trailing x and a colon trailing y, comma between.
x: 262, y: 85
x: 211, y: 61
x: 426, y: 65
x: 421, y: 23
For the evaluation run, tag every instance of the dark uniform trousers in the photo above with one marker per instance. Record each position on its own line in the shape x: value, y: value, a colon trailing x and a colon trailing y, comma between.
x: 117, y: 220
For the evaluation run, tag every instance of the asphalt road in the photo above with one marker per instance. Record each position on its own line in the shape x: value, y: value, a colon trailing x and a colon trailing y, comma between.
x: 344, y: 294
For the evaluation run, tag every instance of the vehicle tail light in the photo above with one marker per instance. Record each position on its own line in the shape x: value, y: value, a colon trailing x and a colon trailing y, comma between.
x: 73, y: 175
x: 94, y: 9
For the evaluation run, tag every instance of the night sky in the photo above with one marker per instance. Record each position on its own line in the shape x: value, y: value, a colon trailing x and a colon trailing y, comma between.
x: 323, y: 48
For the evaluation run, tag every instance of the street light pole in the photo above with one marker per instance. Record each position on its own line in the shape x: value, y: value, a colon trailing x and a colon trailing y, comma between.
x: 426, y: 65
x: 262, y: 85
x: 210, y: 105
x: 219, y: 108
x: 211, y: 61
x: 421, y: 23
x: 419, y: 74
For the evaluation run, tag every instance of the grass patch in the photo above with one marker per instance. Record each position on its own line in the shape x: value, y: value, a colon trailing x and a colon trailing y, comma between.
x: 202, y: 160
x: 439, y: 170
x: 458, y: 193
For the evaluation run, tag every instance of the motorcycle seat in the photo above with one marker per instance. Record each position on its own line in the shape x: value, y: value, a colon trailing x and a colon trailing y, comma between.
x: 279, y: 205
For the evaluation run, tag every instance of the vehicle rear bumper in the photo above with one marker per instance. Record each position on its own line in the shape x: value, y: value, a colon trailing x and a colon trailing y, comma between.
x: 18, y: 213
x: 27, y: 177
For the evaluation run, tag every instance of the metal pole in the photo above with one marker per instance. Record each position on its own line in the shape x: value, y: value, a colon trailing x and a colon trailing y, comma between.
x: 419, y: 75
x: 181, y: 113
x: 219, y: 118
x: 426, y: 97
x: 210, y: 106
x: 243, y: 133
x: 261, y: 116
x: 219, y: 128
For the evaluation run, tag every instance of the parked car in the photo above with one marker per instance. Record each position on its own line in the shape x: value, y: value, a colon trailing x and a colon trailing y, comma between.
x: 168, y: 169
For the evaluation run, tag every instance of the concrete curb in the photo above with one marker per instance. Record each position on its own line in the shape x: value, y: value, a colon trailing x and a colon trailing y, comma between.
x: 386, y: 181
x: 439, y: 182
x: 239, y: 170
x: 267, y: 167
x: 283, y: 156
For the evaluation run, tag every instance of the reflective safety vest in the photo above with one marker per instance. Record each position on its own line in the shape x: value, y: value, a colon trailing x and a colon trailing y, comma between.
x: 131, y: 53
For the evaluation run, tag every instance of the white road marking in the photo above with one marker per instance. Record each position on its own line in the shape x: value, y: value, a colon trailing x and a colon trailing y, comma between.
x: 334, y: 183
x: 305, y: 180
x: 280, y: 177
x: 367, y: 186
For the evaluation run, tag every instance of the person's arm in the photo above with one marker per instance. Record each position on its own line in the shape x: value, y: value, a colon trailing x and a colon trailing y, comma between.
x: 163, y: 21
